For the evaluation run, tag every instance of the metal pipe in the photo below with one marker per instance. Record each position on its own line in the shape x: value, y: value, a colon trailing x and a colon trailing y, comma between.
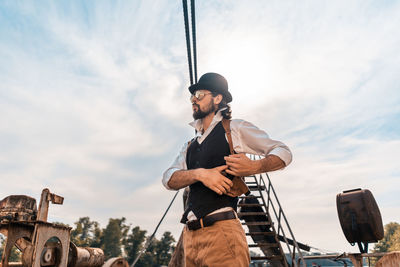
x: 85, y: 257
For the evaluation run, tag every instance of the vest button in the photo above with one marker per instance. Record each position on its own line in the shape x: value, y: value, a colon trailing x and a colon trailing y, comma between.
x: 197, y: 164
x: 198, y: 149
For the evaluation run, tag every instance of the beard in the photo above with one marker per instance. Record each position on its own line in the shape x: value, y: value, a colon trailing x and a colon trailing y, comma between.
x: 200, y: 114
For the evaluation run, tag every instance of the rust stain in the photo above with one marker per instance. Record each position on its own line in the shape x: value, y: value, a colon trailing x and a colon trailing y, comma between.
x: 42, y: 243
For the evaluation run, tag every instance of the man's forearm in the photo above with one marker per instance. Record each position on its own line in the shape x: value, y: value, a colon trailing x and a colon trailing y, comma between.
x: 270, y: 163
x: 240, y: 165
x: 183, y: 178
x: 211, y: 178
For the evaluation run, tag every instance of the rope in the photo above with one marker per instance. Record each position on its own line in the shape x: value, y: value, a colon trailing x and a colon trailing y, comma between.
x: 189, y: 54
x: 194, y: 39
x: 148, y: 242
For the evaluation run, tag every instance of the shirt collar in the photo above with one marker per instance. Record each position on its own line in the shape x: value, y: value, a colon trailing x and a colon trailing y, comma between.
x: 198, y: 124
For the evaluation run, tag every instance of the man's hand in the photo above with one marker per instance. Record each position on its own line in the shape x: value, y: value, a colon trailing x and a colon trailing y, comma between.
x: 213, y: 179
x: 240, y: 165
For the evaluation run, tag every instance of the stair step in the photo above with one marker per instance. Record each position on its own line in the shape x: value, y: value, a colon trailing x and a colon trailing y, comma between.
x: 274, y: 257
x: 256, y: 223
x: 269, y: 245
x: 250, y: 205
x: 246, y: 197
x: 261, y: 233
x: 251, y: 213
x: 256, y: 188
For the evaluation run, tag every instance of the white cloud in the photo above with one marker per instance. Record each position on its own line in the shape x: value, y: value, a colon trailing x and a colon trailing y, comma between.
x: 94, y: 105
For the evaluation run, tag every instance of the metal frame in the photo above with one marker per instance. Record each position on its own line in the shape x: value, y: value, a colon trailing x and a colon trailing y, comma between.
x: 280, y: 219
x: 356, y: 258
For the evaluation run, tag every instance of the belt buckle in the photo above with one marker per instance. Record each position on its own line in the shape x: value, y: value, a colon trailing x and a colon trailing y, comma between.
x: 190, y: 225
x: 203, y: 222
x: 195, y: 225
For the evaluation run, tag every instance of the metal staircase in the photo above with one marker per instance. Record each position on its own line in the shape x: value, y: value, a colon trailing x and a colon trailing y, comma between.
x: 269, y: 233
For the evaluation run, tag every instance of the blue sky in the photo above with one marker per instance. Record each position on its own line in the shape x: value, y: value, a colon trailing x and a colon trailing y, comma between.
x: 94, y: 105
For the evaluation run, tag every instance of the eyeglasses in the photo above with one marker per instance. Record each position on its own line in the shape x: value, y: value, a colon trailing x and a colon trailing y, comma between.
x: 198, y: 95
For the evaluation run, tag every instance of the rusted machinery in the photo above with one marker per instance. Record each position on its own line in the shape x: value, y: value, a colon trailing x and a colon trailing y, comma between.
x: 42, y: 243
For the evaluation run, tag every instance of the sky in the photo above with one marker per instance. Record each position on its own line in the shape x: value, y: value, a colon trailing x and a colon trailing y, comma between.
x: 94, y: 103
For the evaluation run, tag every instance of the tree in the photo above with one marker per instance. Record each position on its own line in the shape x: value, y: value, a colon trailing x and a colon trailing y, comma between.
x: 164, y: 249
x: 148, y: 258
x: 114, y: 237
x: 1, y: 245
x: 97, y: 236
x: 391, y: 239
x: 395, y: 242
x: 158, y: 252
x: 134, y: 243
x: 15, y: 254
x: 86, y: 233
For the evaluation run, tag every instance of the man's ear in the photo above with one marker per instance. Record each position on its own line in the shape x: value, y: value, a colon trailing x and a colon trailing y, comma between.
x: 217, y: 99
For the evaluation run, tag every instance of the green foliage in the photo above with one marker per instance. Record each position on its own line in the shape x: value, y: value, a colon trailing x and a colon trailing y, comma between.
x: 134, y: 243
x: 86, y: 233
x: 118, y: 237
x: 114, y: 237
x: 60, y: 223
x: 148, y: 259
x: 391, y: 239
x: 1, y: 245
x: 97, y: 236
x: 15, y: 255
x: 158, y: 252
x: 164, y: 249
x: 395, y: 242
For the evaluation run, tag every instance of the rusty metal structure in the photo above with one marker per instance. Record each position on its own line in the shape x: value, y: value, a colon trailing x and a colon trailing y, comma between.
x: 267, y: 225
x: 42, y: 243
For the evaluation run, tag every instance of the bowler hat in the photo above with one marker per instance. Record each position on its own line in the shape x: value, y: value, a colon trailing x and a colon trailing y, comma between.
x: 213, y: 82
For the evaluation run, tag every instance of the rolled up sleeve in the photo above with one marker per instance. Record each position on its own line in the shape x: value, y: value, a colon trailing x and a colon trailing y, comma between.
x: 283, y: 153
x: 247, y: 138
x: 178, y: 164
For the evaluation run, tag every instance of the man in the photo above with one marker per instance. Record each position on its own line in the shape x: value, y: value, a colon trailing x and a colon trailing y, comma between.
x: 213, y: 236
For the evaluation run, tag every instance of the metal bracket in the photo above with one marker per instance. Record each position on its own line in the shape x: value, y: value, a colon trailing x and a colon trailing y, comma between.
x: 45, y: 198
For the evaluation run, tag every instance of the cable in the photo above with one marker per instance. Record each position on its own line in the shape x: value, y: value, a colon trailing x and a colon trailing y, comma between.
x: 192, y: 2
x: 148, y: 242
x: 189, y: 54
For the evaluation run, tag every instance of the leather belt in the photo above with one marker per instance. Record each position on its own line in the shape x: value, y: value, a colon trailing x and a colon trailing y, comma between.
x: 210, y: 220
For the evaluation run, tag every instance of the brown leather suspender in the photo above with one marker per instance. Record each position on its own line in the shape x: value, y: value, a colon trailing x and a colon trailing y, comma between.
x: 239, y: 186
x: 227, y: 127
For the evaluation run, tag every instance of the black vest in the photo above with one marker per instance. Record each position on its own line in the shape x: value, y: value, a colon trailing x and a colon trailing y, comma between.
x: 209, y: 154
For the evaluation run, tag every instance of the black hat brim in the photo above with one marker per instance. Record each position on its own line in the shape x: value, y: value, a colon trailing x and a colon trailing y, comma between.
x: 203, y: 86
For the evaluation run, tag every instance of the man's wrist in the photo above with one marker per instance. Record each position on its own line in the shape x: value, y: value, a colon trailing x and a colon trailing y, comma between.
x: 271, y: 163
x: 198, y: 174
x: 259, y: 166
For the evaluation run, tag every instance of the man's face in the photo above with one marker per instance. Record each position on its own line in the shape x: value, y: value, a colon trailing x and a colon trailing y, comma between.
x: 202, y: 104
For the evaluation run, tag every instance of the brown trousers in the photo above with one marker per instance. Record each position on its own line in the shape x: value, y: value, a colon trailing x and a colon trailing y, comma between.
x: 221, y: 244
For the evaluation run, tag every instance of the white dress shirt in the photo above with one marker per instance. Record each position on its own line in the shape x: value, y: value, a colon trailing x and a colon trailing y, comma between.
x: 246, y: 138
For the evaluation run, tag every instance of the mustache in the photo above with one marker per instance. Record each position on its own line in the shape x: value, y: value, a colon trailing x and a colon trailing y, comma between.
x: 194, y: 104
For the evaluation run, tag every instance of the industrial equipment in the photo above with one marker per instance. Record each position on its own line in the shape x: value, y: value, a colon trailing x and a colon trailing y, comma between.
x: 43, y: 244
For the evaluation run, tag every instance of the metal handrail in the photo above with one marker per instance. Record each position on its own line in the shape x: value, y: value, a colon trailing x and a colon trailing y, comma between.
x: 279, y: 214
